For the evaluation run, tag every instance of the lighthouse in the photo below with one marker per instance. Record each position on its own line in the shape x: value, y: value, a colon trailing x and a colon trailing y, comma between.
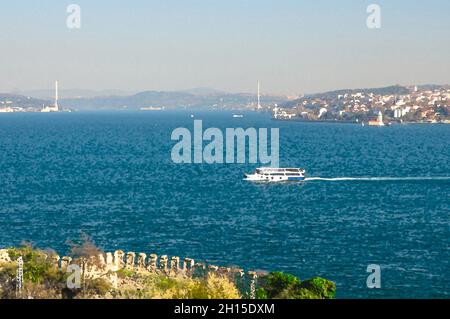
x: 380, y: 119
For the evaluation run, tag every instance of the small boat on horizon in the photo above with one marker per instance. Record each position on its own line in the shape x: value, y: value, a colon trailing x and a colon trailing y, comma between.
x: 238, y: 115
x: 270, y: 174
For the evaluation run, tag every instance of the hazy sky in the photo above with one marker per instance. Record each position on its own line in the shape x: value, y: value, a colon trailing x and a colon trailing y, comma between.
x: 291, y: 46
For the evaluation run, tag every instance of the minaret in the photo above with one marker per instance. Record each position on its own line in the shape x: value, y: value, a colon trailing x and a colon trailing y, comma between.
x: 56, y: 96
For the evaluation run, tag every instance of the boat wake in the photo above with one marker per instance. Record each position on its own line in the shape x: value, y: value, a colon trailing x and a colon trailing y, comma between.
x: 378, y: 179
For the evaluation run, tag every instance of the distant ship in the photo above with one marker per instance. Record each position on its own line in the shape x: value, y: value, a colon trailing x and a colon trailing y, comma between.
x: 238, y: 115
x: 269, y: 174
x: 153, y: 108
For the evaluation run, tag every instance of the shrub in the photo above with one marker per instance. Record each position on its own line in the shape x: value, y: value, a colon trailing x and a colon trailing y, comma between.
x: 278, y: 285
x: 321, y: 287
x: 83, y: 251
x: 219, y: 287
x: 126, y: 273
x: 7, y: 282
x: 98, y: 286
x: 41, y: 279
x: 159, y: 286
x: 277, y: 282
x: 37, y: 265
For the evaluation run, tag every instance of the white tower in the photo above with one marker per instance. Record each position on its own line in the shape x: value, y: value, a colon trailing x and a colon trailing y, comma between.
x: 259, y: 98
x: 380, y: 119
x: 56, y: 96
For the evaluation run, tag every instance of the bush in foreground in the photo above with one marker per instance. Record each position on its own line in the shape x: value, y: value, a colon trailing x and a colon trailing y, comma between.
x: 278, y: 285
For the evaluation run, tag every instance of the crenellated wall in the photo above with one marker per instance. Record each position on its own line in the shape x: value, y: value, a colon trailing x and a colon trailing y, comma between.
x: 112, y: 262
x: 106, y: 265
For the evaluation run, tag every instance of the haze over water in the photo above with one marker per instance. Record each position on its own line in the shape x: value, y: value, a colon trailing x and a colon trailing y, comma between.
x: 375, y: 196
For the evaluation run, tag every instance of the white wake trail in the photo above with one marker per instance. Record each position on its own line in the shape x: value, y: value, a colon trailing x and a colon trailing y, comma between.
x: 379, y: 179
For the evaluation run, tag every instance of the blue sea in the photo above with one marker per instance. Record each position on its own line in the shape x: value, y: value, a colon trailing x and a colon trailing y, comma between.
x: 375, y: 197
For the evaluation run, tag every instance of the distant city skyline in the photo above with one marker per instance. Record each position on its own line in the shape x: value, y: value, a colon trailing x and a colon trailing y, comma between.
x: 291, y: 47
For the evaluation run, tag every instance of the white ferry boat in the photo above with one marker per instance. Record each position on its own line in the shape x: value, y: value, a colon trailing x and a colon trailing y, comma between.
x: 269, y: 174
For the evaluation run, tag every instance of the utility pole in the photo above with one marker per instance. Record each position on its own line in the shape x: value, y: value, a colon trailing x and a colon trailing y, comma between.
x: 19, y: 277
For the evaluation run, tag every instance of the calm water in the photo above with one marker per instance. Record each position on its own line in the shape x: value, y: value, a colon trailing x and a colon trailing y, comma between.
x: 110, y: 175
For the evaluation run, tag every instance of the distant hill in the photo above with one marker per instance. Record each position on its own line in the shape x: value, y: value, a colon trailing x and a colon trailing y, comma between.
x: 432, y: 86
x: 204, y: 98
x: 197, y: 98
x: 204, y: 91
x: 72, y: 93
x: 388, y: 90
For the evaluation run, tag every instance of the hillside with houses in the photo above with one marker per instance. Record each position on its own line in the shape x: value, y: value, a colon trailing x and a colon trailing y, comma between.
x: 417, y: 104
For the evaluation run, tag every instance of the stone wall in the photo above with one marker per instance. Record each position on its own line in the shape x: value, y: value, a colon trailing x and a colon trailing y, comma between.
x: 141, y: 262
x: 106, y: 265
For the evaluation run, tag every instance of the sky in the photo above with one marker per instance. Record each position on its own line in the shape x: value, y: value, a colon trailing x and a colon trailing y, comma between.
x: 291, y: 46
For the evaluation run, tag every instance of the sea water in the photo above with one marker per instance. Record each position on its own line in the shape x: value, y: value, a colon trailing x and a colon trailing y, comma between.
x: 373, y: 196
